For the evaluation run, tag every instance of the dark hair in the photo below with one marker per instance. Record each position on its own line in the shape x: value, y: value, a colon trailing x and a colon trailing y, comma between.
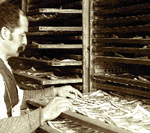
x: 9, y: 16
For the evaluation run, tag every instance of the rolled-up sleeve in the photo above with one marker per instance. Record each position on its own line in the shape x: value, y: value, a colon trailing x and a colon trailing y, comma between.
x: 22, y: 124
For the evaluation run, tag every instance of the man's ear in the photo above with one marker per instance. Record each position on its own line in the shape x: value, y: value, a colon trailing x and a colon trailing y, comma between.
x: 5, y: 33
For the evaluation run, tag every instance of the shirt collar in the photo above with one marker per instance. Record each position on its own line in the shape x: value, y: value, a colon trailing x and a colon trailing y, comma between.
x: 6, y: 63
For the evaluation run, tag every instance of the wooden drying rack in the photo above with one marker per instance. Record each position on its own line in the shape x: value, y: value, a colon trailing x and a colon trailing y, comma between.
x: 49, y: 62
x: 44, y: 81
x: 83, y: 120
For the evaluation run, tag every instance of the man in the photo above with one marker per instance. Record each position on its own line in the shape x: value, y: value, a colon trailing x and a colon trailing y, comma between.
x: 13, y: 28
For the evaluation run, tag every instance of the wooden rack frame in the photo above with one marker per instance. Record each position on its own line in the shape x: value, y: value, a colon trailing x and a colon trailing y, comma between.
x: 120, y: 41
x: 121, y: 80
x: 123, y: 10
x: 95, y: 124
x: 50, y: 63
x: 122, y: 60
x: 83, y: 8
x: 44, y: 81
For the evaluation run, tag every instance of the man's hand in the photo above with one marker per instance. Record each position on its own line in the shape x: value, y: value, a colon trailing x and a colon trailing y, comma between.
x: 67, y: 91
x: 54, y: 108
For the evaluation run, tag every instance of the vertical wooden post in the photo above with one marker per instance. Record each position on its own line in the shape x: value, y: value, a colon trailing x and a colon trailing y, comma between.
x: 24, y: 4
x: 86, y: 40
x: 91, y: 64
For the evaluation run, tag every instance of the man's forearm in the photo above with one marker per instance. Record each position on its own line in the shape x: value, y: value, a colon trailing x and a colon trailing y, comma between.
x: 47, y: 92
x: 31, y: 94
x: 25, y: 123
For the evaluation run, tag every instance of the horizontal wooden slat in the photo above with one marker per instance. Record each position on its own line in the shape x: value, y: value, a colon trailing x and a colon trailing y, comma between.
x: 144, y: 51
x: 121, y: 80
x: 123, y: 10
x: 54, y: 10
x: 129, y: 29
x: 93, y: 123
x: 121, y: 40
x: 48, y: 28
x: 44, y: 81
x: 114, y: 3
x: 55, y: 46
x: 126, y: 90
x: 54, y: 33
x: 122, y: 60
x: 83, y: 120
x: 122, y: 20
x: 49, y: 62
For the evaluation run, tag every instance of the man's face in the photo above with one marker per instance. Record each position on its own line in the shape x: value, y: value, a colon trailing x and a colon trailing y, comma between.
x: 18, y: 40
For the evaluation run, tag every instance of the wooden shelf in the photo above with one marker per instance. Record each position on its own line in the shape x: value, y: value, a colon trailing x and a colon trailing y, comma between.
x: 120, y: 44
x: 53, y: 10
x: 55, y: 46
x: 48, y: 28
x: 121, y: 80
x: 55, y: 33
x: 83, y: 120
x: 143, y: 51
x: 49, y: 62
x: 114, y: 3
x: 129, y: 29
x: 127, y: 90
x: 122, y: 60
x: 44, y: 81
x: 123, y: 10
x: 56, y: 26
x: 122, y: 20
x: 121, y: 40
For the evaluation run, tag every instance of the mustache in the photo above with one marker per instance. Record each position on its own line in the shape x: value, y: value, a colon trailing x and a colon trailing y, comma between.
x: 21, y: 48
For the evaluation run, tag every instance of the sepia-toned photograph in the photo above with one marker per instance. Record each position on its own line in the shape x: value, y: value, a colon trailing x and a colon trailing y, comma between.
x: 74, y: 66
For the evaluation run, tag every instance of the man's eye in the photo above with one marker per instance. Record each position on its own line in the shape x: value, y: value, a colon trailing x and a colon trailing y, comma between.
x: 21, y: 35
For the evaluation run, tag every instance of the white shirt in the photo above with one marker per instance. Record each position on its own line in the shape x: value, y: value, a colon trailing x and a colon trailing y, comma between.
x: 3, y: 108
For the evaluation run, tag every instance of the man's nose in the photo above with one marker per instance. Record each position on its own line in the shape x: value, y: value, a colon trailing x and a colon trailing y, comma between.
x: 24, y: 41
